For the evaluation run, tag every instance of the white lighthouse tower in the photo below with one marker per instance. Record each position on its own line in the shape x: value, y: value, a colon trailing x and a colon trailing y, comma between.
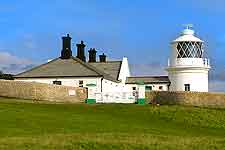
x: 187, y: 67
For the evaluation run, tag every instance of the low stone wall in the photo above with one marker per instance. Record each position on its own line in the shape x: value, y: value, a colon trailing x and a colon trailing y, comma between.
x: 40, y: 91
x: 202, y: 99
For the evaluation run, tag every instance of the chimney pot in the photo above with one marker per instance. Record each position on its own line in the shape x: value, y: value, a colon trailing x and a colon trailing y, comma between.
x: 81, y: 51
x: 92, y: 55
x: 102, y: 58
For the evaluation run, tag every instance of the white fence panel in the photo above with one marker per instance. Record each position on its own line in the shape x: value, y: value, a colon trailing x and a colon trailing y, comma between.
x: 116, y: 97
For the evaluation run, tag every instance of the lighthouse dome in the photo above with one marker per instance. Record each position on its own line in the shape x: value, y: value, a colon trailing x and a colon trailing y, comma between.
x: 187, y: 45
x: 187, y: 35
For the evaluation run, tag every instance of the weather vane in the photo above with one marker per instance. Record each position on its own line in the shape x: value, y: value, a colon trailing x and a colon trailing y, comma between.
x: 188, y: 26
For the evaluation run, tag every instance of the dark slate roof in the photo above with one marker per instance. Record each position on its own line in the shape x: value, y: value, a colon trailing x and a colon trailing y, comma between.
x: 73, y: 67
x: 148, y: 79
x: 110, y: 67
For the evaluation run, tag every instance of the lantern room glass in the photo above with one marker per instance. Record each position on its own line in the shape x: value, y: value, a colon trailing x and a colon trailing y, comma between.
x: 189, y: 50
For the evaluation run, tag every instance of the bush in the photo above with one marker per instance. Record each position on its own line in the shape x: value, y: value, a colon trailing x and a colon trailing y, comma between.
x: 6, y: 76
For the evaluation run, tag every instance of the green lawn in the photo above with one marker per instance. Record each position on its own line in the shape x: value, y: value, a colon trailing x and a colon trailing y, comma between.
x: 25, y: 125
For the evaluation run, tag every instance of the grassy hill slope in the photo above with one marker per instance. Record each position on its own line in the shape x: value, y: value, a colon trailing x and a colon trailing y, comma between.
x: 25, y: 125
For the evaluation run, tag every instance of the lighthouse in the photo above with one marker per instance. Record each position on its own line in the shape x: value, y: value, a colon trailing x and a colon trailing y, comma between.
x: 188, y: 66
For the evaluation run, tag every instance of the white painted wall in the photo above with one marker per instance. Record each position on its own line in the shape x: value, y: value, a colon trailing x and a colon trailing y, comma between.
x: 124, y: 70
x: 110, y: 86
x: 106, y: 85
x: 74, y: 82
x: 155, y: 87
x: 198, y: 80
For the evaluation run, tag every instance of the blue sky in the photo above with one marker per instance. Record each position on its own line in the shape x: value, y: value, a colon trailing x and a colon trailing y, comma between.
x: 138, y: 29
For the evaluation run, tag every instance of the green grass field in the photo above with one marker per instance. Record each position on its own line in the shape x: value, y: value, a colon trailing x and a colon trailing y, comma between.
x: 25, y: 125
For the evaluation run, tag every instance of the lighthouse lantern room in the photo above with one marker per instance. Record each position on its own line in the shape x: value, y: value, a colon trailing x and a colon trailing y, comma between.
x: 188, y: 66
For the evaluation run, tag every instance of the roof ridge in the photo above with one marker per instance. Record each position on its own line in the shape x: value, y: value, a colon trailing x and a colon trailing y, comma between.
x: 146, y: 76
x: 37, y: 67
x: 90, y: 68
x: 87, y: 65
x: 107, y: 61
x: 93, y: 68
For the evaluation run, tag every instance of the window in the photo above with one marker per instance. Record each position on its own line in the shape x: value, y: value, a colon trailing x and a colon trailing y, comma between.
x: 148, y: 88
x: 160, y: 87
x: 81, y: 83
x: 134, y: 91
x: 190, y: 50
x: 57, y: 82
x: 187, y: 87
x: 168, y: 87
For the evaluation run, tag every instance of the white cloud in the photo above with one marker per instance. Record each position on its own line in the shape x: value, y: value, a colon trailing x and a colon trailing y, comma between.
x: 7, y: 58
x: 217, y: 86
x: 152, y: 69
x: 14, y: 64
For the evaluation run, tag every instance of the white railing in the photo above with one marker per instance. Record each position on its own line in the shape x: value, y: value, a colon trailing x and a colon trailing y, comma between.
x: 195, y: 62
